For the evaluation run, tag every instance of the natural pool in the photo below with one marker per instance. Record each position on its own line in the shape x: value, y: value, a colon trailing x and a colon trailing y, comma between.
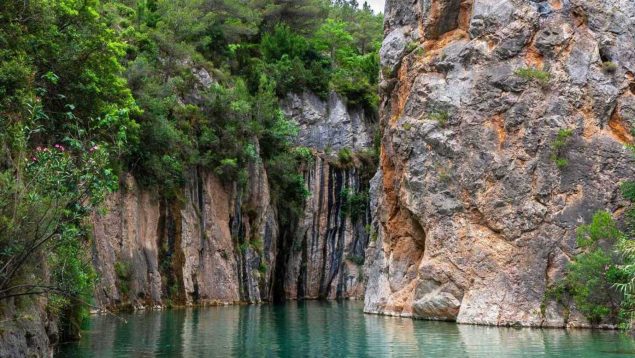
x: 325, y: 329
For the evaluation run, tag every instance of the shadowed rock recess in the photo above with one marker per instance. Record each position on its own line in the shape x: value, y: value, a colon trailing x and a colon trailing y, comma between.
x: 221, y: 244
x: 474, y: 208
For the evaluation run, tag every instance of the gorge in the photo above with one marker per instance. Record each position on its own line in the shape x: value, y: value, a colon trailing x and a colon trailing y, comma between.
x: 266, y: 169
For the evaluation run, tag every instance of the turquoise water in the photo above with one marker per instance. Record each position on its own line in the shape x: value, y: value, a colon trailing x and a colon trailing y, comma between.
x: 325, y: 329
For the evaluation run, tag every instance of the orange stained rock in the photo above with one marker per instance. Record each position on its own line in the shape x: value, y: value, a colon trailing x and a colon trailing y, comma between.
x: 590, y: 124
x: 491, y: 43
x: 402, y: 92
x: 619, y: 129
x: 499, y: 126
x: 533, y: 58
x: 388, y: 180
x: 435, y: 13
x: 465, y: 14
x: 555, y: 4
x: 433, y: 47
x: 401, y: 301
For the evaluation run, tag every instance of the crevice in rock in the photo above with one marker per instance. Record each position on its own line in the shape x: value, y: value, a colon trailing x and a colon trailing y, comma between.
x: 170, y: 255
x: 333, y: 204
x: 443, y: 16
x: 285, y: 242
x: 630, y: 76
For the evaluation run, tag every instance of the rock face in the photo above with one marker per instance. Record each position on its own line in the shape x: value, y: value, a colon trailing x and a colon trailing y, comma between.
x: 474, y: 217
x: 328, y: 124
x: 220, y: 244
x: 27, y: 330
x: 203, y: 250
x: 327, y: 250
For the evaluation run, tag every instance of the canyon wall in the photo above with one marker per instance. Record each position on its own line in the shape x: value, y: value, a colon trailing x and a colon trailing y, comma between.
x: 505, y: 125
x: 219, y: 243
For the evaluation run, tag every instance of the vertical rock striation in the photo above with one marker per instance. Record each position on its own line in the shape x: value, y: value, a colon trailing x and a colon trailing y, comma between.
x: 220, y: 244
x: 327, y: 250
x: 211, y: 247
x: 474, y: 217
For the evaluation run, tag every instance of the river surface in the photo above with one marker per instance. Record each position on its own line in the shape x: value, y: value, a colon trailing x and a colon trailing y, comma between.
x: 325, y: 329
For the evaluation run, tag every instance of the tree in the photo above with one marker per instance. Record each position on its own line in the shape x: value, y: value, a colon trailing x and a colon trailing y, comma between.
x: 334, y: 40
x: 64, y: 117
x: 302, y: 16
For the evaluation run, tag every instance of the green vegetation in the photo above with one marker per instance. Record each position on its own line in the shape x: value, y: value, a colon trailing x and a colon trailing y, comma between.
x: 345, y: 157
x: 609, y: 67
x: 441, y: 117
x: 124, y: 275
x: 262, y: 267
x: 601, y: 279
x: 66, y: 115
x: 412, y: 45
x: 354, y: 203
x: 533, y: 74
x: 592, y: 278
x: 90, y: 89
x: 356, y: 259
x: 559, y: 146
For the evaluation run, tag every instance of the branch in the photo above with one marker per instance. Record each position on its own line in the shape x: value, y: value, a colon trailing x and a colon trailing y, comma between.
x: 55, y: 290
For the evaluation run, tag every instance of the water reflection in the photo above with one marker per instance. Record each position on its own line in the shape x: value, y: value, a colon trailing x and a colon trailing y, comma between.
x: 319, y: 329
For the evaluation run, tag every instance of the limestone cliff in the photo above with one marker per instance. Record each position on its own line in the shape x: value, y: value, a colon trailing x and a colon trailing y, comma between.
x: 476, y: 205
x: 219, y: 243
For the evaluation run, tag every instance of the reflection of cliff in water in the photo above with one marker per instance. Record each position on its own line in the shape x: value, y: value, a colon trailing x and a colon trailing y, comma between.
x: 318, y: 329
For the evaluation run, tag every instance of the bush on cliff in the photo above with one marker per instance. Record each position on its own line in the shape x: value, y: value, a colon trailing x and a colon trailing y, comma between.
x: 65, y: 118
x: 600, y: 279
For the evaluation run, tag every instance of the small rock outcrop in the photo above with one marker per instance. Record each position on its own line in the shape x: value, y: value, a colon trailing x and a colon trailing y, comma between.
x: 475, y: 206
x: 328, y: 124
x: 27, y: 329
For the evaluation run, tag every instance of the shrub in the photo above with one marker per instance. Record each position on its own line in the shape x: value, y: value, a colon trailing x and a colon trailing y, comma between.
x: 354, y: 203
x: 559, y: 145
x: 441, y: 117
x: 354, y: 84
x: 592, y: 278
x: 532, y: 73
x: 304, y: 154
x: 356, y: 259
x: 386, y: 72
x: 561, y: 163
x: 609, y: 67
x: 257, y: 244
x: 412, y: 45
x: 124, y: 275
x: 345, y: 157
x: 262, y: 267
